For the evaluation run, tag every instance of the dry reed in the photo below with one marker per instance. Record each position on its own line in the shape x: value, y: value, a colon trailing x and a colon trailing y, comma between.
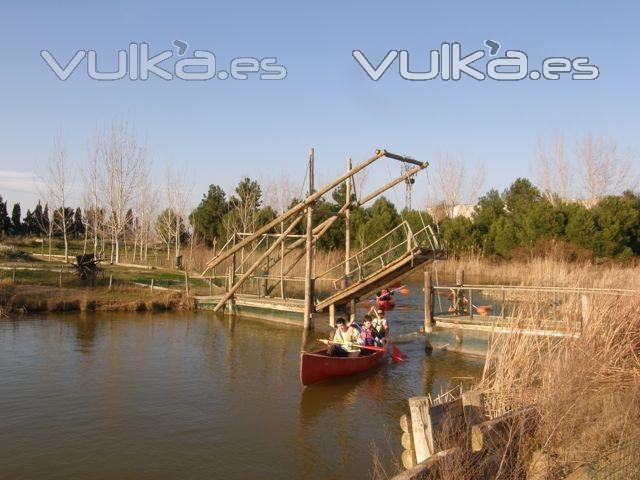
x: 585, y: 390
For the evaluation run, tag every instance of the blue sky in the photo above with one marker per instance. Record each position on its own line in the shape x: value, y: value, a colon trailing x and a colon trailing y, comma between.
x: 219, y: 130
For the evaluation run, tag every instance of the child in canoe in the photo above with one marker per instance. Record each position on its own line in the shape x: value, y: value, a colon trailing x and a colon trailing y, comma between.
x: 343, y: 340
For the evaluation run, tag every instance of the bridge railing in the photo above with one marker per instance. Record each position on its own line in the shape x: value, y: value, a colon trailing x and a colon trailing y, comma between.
x: 391, y: 246
x: 559, y: 309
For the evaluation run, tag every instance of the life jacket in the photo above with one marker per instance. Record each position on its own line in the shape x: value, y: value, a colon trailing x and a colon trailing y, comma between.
x: 367, y: 337
x: 378, y: 325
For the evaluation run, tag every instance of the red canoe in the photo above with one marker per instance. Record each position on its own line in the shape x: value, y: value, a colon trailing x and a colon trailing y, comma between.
x: 316, y: 366
x: 385, y: 304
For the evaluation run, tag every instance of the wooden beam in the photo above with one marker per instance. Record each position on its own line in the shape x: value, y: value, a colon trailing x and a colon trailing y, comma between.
x: 255, y: 265
x: 308, y: 269
x: 499, y: 432
x: 294, y: 210
x: 347, y: 224
x: 419, y: 408
x: 402, y: 158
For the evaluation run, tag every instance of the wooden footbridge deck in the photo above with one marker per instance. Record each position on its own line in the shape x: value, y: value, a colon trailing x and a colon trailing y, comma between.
x: 386, y: 275
x: 259, y: 268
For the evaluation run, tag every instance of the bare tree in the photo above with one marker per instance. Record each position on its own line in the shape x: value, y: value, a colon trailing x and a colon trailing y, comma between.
x: 170, y: 225
x: 146, y: 209
x: 91, y: 178
x: 279, y: 192
x: 57, y: 185
x: 121, y: 161
x: 603, y: 169
x: 451, y: 185
x: 553, y: 170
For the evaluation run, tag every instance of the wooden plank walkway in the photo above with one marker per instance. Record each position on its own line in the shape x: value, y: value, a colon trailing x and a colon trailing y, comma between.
x: 497, y: 324
x: 382, y: 277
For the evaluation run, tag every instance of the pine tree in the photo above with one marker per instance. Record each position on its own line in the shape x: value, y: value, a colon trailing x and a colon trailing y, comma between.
x: 16, y: 224
x: 5, y: 222
x: 30, y: 226
x: 78, y: 225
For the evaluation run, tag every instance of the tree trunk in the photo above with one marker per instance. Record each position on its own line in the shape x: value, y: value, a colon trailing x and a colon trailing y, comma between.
x: 66, y: 243
x: 86, y: 236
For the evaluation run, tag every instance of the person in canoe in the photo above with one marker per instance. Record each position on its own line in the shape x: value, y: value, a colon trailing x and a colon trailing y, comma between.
x: 344, y: 338
x: 380, y: 327
x: 367, y: 336
x: 385, y: 295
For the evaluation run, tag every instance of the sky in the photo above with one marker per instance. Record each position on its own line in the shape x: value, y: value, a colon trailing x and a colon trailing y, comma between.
x: 216, y: 131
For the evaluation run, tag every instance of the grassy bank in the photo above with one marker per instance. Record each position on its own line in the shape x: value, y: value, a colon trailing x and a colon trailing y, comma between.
x: 22, y: 298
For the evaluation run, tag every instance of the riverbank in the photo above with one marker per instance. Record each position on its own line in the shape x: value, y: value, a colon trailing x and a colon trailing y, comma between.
x: 29, y: 299
x: 583, y: 393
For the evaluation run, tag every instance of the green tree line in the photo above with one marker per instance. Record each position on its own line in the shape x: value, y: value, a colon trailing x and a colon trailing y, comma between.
x: 518, y: 222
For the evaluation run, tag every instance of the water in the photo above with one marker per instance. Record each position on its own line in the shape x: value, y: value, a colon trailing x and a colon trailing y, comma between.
x: 190, y: 396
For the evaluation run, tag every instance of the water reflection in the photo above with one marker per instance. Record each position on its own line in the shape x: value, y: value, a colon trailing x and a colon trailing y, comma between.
x: 196, y: 395
x: 86, y: 331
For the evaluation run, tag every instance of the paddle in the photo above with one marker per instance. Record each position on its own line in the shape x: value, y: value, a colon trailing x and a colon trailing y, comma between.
x: 395, y: 354
x: 482, y: 309
x: 403, y: 289
x: 355, y: 345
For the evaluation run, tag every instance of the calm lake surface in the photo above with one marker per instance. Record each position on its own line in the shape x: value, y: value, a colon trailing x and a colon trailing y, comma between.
x: 191, y: 396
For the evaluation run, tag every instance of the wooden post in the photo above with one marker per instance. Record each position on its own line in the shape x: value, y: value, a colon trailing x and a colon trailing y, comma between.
x: 210, y: 286
x: 428, y: 311
x: 186, y: 283
x: 282, y: 264
x: 255, y: 265
x: 60, y: 279
x: 419, y: 407
x: 428, y: 300
x: 232, y: 277
x: 264, y: 280
x: 408, y: 455
x: 347, y: 226
x: 308, y: 271
x: 110, y: 281
x: 585, y: 310
x: 332, y: 315
x: 352, y: 311
x: 151, y: 285
x: 347, y: 239
x: 459, y: 292
x: 13, y: 275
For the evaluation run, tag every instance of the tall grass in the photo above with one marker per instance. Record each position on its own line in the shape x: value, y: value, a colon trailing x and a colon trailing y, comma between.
x: 585, y: 390
x: 544, y: 271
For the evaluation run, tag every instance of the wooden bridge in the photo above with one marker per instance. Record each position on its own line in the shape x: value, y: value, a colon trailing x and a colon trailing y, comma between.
x: 262, y: 270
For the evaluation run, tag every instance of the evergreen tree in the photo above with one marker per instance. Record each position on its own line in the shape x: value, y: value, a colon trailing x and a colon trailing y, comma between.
x: 207, y: 218
x: 46, y: 222
x: 382, y: 218
x: 520, y: 195
x: 457, y: 234
x: 16, y: 223
x: 78, y: 224
x: 30, y: 225
x: 489, y: 209
x: 39, y: 218
x: 5, y: 221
